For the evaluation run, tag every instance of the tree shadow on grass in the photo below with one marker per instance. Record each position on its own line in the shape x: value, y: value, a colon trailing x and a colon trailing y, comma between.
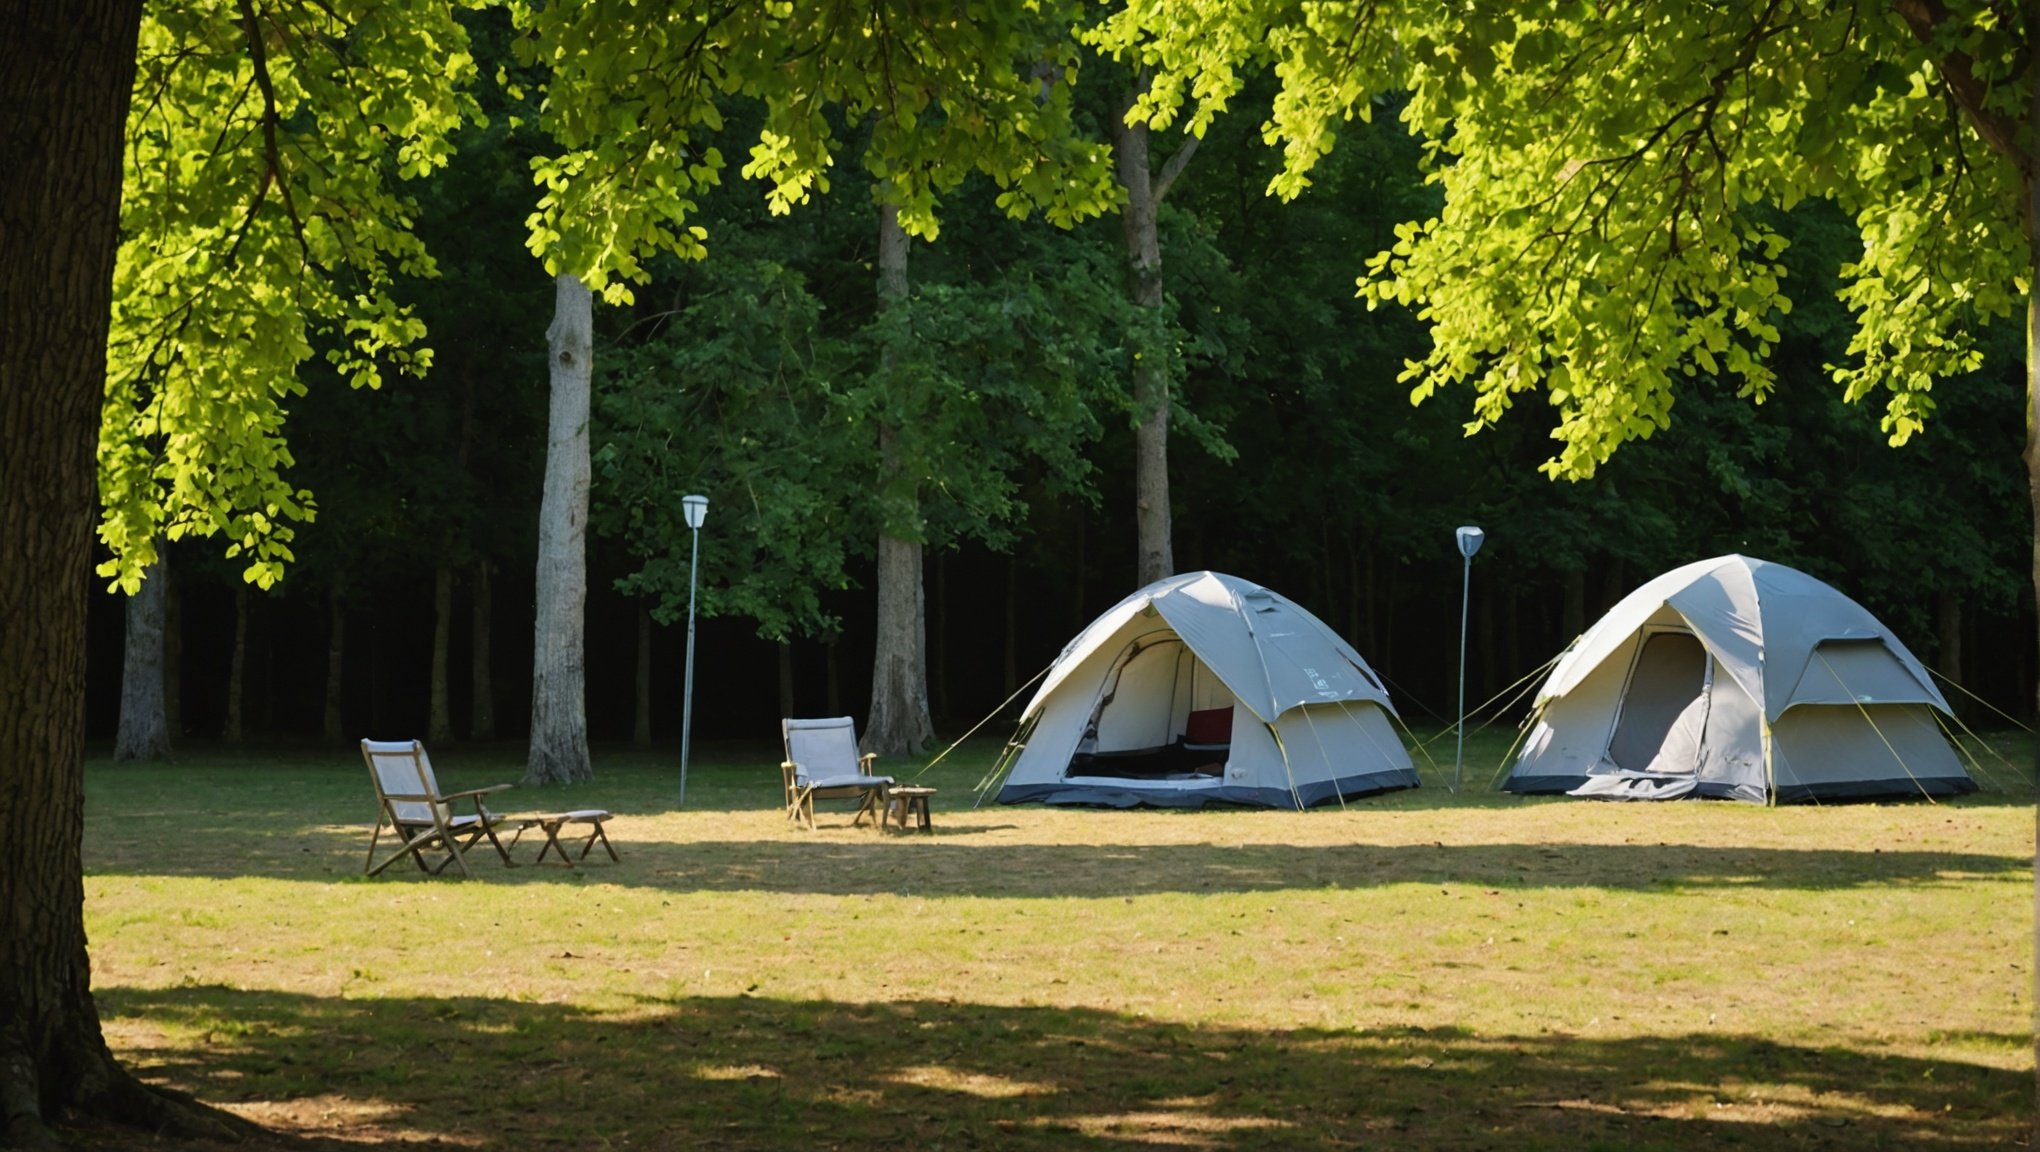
x: 948, y: 865
x: 754, y: 1073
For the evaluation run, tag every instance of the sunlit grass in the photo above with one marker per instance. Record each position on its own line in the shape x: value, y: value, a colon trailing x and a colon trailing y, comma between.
x: 1418, y: 970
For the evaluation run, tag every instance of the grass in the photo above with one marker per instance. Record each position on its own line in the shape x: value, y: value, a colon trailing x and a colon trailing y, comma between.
x: 1416, y: 971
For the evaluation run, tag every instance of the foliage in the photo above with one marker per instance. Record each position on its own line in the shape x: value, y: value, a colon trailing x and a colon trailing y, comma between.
x: 635, y: 92
x: 260, y: 219
x: 1606, y: 172
x: 751, y: 395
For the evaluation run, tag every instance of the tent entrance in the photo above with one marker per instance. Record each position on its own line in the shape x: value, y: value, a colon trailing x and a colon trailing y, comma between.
x: 1160, y: 715
x: 1664, y: 706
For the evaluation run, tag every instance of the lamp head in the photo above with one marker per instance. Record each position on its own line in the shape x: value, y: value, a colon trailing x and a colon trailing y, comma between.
x: 695, y: 508
x: 1470, y: 539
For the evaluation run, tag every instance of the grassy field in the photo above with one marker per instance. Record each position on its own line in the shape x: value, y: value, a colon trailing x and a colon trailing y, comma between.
x: 1415, y: 971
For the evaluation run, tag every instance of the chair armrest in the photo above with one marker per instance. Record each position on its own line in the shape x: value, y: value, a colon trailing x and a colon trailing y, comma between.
x: 450, y: 796
x: 864, y: 763
x: 789, y: 770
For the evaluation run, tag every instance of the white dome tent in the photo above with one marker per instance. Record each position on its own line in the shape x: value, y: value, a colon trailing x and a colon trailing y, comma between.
x: 1206, y: 688
x: 1741, y: 679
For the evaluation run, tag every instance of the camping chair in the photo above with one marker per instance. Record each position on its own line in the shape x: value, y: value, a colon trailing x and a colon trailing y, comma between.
x: 822, y: 763
x: 423, y: 817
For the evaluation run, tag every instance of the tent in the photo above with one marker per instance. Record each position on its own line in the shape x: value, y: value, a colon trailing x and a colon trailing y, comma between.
x: 1204, y: 687
x: 1738, y: 678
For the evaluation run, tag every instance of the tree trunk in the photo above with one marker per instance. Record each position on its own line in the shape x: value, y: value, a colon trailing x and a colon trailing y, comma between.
x: 66, y: 70
x: 237, y: 668
x: 482, y: 708
x: 144, y: 726
x: 2032, y: 455
x: 899, y: 724
x: 439, y: 725
x: 1012, y: 665
x: 1156, y: 556
x: 938, y: 649
x: 1948, y: 626
x: 641, y: 728
x: 335, y: 728
x: 173, y: 652
x: 1484, y: 614
x: 833, y: 690
x: 786, y: 701
x: 559, y: 715
x: 1574, y: 620
x: 1614, y: 584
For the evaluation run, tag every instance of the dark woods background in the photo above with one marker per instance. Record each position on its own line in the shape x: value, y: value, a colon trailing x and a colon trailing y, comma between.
x: 758, y: 376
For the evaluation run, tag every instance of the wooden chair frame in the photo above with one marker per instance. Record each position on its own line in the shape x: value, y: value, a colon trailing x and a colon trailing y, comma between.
x: 423, y: 817
x: 800, y: 798
x: 866, y: 789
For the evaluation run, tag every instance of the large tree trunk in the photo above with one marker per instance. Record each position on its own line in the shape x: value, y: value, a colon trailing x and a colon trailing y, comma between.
x: 1156, y: 555
x: 559, y: 714
x: 899, y: 723
x: 439, y: 724
x: 1145, y: 192
x: 482, y: 708
x: 237, y: 669
x: 786, y: 699
x: 2032, y: 413
x: 66, y: 69
x: 144, y: 732
x: 335, y: 726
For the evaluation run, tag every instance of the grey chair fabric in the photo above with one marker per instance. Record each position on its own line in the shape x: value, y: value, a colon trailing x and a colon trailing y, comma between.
x: 822, y: 763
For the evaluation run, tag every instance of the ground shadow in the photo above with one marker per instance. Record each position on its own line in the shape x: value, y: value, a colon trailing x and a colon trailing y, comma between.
x: 865, y: 863
x: 753, y: 1073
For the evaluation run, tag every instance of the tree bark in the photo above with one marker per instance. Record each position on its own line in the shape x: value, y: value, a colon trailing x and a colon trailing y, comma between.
x: 144, y: 732
x: 938, y: 648
x: 1948, y: 630
x: 1573, y: 620
x: 66, y: 71
x: 641, y: 729
x: 482, y: 708
x: 899, y: 724
x: 173, y: 652
x: 559, y: 714
x: 439, y: 725
x: 833, y: 688
x: 1012, y: 664
x: 1156, y: 556
x: 237, y: 668
x: 786, y: 679
x: 335, y: 729
x: 2032, y: 456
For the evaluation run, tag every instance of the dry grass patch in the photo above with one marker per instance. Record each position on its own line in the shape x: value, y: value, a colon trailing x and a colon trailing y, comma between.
x: 1415, y: 971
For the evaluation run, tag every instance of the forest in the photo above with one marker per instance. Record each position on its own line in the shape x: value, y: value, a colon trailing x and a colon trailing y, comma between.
x: 761, y: 374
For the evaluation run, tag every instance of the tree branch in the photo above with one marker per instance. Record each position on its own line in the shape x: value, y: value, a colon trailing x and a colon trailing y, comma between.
x: 1174, y: 167
x: 258, y: 52
x: 1958, y: 71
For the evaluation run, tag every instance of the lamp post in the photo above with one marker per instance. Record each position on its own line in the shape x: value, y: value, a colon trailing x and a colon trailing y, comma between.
x: 695, y: 508
x: 1470, y: 539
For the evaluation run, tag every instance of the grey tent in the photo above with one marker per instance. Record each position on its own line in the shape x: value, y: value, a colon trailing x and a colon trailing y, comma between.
x: 1738, y: 678
x: 1204, y: 687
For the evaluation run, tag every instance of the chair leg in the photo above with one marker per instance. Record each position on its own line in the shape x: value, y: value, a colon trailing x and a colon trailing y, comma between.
x: 368, y: 865
x: 453, y: 846
x: 606, y: 845
x: 489, y: 830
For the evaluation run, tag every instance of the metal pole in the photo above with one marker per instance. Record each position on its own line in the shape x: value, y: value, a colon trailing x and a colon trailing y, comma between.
x: 687, y: 707
x: 1465, y: 593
